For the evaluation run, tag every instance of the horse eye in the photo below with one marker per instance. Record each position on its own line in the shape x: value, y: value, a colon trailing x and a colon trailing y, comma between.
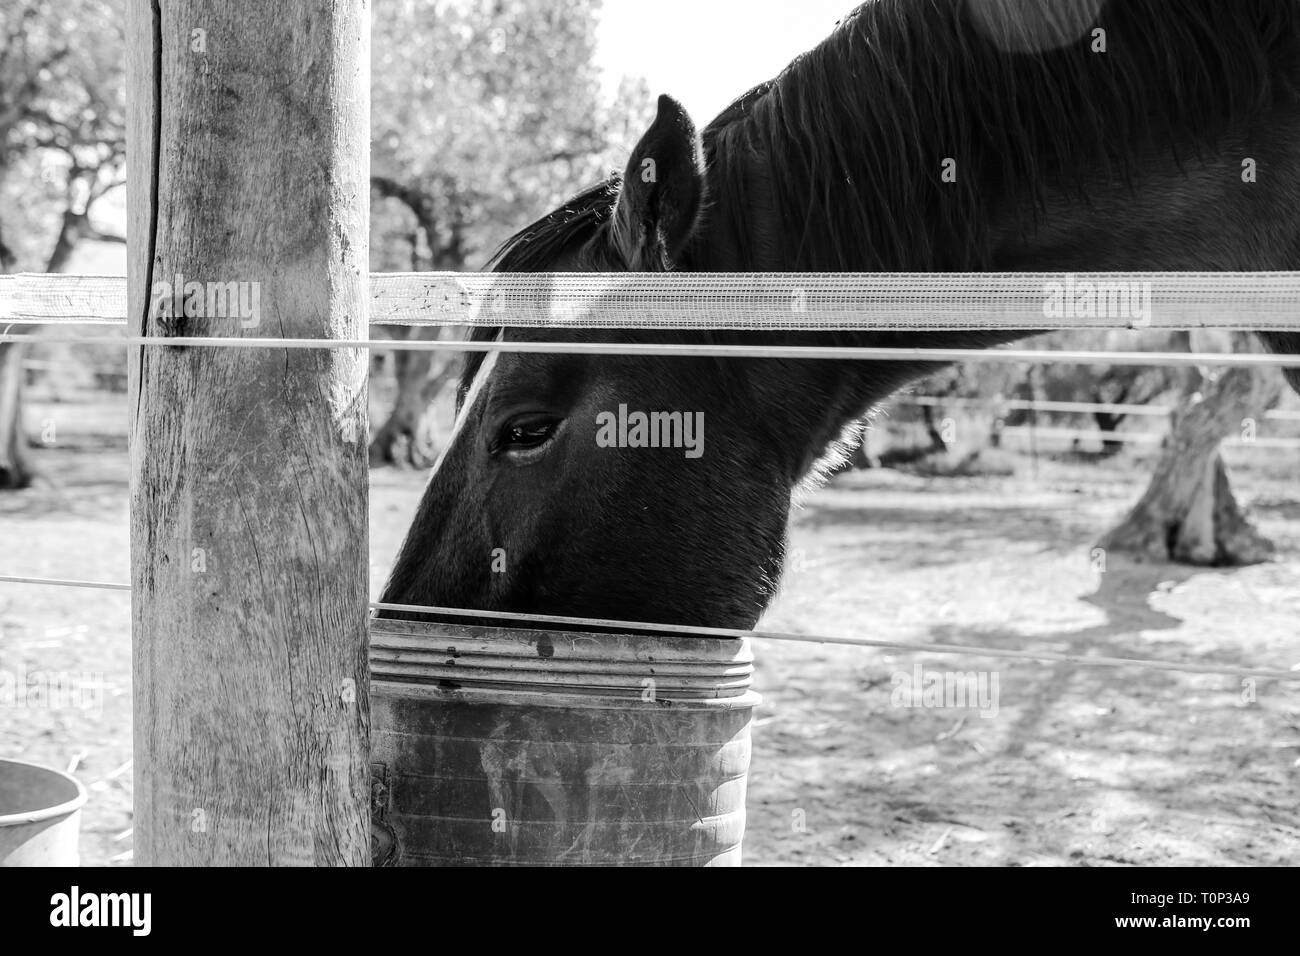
x: 521, y: 434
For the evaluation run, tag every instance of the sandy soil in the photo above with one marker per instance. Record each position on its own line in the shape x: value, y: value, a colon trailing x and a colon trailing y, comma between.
x: 1079, y: 765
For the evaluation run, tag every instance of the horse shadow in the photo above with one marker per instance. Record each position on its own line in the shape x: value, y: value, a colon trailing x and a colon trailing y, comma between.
x: 1080, y: 757
x: 1071, y: 742
x: 1123, y: 595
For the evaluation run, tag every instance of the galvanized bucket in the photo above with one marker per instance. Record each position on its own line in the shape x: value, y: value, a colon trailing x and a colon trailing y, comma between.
x: 503, y: 746
x: 40, y: 815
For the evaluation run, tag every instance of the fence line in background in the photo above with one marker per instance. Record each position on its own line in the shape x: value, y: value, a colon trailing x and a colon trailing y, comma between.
x: 769, y: 301
x: 611, y: 625
x: 1245, y: 301
x: 1153, y: 438
x: 1084, y: 408
x: 998, y: 406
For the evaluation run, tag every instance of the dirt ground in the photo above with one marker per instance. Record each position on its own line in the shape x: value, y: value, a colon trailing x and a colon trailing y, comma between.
x: 1079, y: 765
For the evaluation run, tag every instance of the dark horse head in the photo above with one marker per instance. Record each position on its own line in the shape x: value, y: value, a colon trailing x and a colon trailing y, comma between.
x: 1079, y: 135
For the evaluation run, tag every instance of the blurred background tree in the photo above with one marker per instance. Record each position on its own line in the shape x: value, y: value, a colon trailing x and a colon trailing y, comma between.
x: 486, y: 114
x: 62, y: 150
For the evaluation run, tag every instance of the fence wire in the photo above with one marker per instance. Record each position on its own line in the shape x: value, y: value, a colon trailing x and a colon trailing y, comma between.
x: 778, y: 301
x: 617, y: 626
x: 1251, y: 301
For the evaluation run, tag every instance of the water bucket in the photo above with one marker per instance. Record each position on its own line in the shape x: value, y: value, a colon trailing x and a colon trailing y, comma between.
x: 503, y: 746
x: 40, y: 815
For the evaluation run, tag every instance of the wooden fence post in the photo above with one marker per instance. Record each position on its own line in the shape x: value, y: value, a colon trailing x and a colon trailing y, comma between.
x: 248, y: 207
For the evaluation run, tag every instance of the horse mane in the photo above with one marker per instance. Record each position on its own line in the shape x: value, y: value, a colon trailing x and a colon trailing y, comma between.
x: 855, y: 130
x: 847, y: 141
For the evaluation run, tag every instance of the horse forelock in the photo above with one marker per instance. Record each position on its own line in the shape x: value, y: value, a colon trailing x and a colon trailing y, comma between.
x: 538, y: 246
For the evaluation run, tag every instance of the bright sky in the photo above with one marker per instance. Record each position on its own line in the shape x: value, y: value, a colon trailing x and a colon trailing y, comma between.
x: 708, y: 52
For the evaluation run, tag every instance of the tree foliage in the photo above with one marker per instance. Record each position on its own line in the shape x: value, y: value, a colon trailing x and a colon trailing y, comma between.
x: 485, y: 113
x: 62, y: 122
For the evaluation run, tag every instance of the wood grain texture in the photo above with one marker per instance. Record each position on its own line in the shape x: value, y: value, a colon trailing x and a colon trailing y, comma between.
x: 249, y: 152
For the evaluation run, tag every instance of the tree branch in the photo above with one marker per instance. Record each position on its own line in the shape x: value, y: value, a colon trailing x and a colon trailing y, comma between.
x: 92, y: 233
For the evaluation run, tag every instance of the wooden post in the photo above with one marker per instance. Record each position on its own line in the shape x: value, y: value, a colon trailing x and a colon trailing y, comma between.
x: 249, y: 150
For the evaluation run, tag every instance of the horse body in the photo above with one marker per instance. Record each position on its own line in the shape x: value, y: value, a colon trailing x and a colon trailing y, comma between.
x: 945, y: 136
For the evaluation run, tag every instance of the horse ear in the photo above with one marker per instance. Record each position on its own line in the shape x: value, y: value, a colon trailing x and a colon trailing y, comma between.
x: 661, y: 194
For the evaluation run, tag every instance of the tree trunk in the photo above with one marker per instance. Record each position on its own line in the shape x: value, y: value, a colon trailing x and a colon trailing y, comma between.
x: 15, y: 470
x: 15, y: 464
x: 937, y: 444
x: 1109, y: 422
x: 70, y: 232
x: 397, y: 441
x: 1188, y: 513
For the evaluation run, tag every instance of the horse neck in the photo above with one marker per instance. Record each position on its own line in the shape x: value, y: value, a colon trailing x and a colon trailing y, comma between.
x: 1185, y: 182
x: 807, y: 403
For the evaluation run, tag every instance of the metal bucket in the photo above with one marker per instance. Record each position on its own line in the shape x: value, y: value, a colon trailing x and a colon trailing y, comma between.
x: 40, y: 815
x: 503, y: 746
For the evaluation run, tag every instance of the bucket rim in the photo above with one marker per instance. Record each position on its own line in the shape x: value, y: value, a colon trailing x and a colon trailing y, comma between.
x: 383, y: 687
x: 67, y: 808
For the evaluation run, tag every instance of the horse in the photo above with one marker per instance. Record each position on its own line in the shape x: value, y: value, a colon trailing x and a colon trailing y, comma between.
x: 947, y: 135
